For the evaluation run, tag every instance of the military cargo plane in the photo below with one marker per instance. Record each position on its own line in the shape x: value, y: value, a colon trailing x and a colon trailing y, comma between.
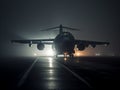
x: 63, y: 43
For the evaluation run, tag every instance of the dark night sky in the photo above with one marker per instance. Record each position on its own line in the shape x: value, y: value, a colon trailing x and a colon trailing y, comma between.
x: 98, y: 20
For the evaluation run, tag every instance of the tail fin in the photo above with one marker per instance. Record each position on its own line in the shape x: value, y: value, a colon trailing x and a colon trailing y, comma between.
x: 60, y: 28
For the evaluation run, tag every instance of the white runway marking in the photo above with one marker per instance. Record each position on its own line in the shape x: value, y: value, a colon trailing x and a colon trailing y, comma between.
x: 76, y: 75
x: 22, y: 80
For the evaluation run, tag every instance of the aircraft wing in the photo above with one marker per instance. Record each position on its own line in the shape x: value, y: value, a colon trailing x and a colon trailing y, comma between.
x: 34, y: 41
x: 92, y: 43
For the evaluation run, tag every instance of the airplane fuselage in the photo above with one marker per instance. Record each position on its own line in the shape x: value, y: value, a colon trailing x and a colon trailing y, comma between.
x: 64, y: 43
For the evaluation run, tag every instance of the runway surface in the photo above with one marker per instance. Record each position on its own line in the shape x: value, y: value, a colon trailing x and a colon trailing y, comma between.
x: 48, y: 73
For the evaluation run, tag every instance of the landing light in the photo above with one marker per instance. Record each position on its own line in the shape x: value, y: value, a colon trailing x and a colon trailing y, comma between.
x: 77, y: 54
x: 50, y: 52
x: 35, y: 54
x: 106, y: 45
x: 50, y: 59
x: 97, y: 54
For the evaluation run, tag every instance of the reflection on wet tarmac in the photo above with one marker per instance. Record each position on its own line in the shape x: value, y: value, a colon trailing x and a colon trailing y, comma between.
x: 50, y: 62
x: 51, y: 74
x: 65, y: 59
x: 51, y: 71
x: 77, y: 61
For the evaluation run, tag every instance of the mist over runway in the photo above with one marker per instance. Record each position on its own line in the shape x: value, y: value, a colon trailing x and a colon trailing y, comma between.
x: 48, y: 73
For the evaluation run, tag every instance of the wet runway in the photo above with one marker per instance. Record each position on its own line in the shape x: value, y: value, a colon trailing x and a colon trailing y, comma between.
x: 47, y: 73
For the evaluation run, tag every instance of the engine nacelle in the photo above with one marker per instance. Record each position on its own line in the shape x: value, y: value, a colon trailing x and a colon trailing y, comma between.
x: 81, y: 47
x: 40, y: 46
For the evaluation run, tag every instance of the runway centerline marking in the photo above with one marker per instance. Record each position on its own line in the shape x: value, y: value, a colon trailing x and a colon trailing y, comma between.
x: 76, y: 75
x: 24, y: 77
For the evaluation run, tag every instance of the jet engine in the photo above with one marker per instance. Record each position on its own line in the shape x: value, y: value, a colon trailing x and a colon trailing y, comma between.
x: 40, y: 46
x: 81, y: 47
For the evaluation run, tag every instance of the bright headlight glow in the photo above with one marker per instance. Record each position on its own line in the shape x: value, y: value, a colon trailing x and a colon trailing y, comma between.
x: 50, y: 59
x: 78, y: 53
x: 35, y: 54
x: 50, y: 52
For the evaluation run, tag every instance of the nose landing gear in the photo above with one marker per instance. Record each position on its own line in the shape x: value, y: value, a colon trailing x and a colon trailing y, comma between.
x: 68, y: 55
